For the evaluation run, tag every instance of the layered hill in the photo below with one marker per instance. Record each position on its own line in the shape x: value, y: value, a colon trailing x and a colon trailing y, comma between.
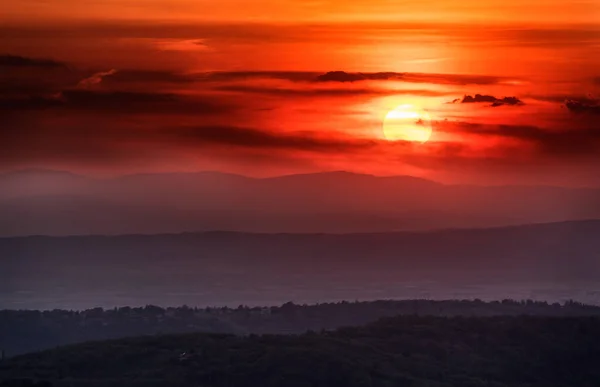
x: 41, y: 202
x: 401, y: 351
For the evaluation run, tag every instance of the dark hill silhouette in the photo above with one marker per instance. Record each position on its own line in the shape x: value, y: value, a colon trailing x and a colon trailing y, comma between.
x: 400, y: 351
x: 32, y: 330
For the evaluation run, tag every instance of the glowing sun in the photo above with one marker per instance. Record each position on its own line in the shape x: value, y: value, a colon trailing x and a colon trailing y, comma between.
x: 407, y: 123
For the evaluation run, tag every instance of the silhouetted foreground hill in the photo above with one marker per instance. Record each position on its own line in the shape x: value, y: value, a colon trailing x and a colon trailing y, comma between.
x: 43, y: 202
x: 27, y: 331
x: 401, y: 351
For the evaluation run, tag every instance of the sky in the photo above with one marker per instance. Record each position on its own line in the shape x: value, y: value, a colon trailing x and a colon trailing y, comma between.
x: 263, y: 88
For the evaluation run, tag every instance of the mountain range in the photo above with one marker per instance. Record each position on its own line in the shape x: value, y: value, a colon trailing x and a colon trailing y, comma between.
x: 46, y: 202
x: 553, y: 262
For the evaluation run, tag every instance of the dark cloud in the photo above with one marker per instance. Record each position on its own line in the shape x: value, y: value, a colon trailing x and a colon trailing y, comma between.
x: 495, y: 102
x: 557, y: 98
x: 111, y: 142
x: 28, y: 82
x: 23, y: 77
x: 346, y: 77
x: 342, y: 76
x: 262, y: 139
x: 330, y: 92
x: 20, y: 61
x: 147, y: 76
x: 478, y: 98
x: 110, y: 99
x: 453, y: 79
x: 294, y: 76
x: 287, y: 92
x: 583, y: 105
x: 575, y: 139
x: 120, y: 102
x: 105, y: 142
x: 29, y: 103
x: 17, y: 88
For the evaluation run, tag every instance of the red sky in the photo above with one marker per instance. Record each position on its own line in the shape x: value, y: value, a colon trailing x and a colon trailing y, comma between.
x: 114, y: 87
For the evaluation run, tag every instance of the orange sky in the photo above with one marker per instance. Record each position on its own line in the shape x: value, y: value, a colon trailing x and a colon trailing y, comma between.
x: 122, y: 86
x: 489, y: 11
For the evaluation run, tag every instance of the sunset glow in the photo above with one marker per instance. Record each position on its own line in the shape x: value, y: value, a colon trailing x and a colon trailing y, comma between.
x: 267, y: 88
x: 408, y: 123
x: 229, y: 190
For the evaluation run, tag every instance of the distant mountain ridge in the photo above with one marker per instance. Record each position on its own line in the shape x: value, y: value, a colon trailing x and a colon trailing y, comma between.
x: 556, y: 261
x: 60, y: 203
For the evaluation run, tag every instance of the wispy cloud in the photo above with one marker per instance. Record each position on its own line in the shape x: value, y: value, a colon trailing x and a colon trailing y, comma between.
x: 456, y: 79
x: 181, y: 44
x: 328, y: 92
x: 95, y: 78
x: 573, y: 139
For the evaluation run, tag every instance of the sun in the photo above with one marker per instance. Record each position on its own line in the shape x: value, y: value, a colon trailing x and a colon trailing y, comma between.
x: 407, y: 123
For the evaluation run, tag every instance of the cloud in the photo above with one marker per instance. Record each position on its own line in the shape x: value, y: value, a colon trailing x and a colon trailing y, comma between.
x: 134, y: 115
x: 583, y: 105
x: 147, y: 76
x: 478, y: 98
x: 104, y: 99
x: 349, y: 77
x: 147, y: 102
x: 95, y: 78
x: 495, y: 102
x: 342, y: 76
x: 119, y: 143
x: 121, y: 102
x: 573, y: 139
x: 455, y: 79
x: 18, y: 87
x: 28, y: 103
x: 181, y: 44
x: 20, y: 61
x: 110, y: 143
x: 294, y: 76
x: 262, y: 139
x: 22, y: 76
x: 317, y: 92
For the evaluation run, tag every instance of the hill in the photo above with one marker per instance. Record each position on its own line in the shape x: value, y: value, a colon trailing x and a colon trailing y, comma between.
x: 553, y: 262
x: 42, y: 202
x: 24, y: 331
x: 401, y: 351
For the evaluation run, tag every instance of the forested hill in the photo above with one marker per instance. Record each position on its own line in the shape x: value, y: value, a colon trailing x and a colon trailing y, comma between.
x: 401, y: 351
x: 27, y: 331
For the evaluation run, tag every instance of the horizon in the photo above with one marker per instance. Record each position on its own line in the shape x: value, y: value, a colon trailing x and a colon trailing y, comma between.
x: 52, y: 202
x: 432, y: 231
x: 260, y: 177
